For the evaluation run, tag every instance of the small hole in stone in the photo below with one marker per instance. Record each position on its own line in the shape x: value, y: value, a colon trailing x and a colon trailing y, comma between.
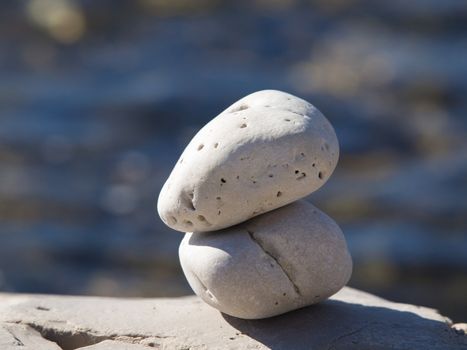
x: 279, y: 193
x: 239, y: 108
x: 243, y: 126
x: 302, y: 154
x: 254, y: 181
x: 313, y: 165
x: 42, y: 308
x: 271, y: 175
x: 238, y: 177
x: 326, y: 146
x: 188, y: 223
x: 216, y: 144
x: 267, y: 106
x: 297, y: 171
x: 181, y: 160
x: 200, y: 147
x: 223, y: 181
x: 218, y: 198
x: 173, y: 220
x: 320, y: 175
x: 284, y: 294
x: 276, y: 303
x: 219, y: 212
x: 201, y: 218
x: 287, y: 120
x: 187, y: 200
x: 301, y: 176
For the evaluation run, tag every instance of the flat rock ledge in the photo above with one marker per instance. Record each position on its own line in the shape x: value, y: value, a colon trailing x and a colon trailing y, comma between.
x: 349, y: 320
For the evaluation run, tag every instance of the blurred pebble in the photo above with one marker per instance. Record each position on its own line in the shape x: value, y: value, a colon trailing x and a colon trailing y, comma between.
x: 120, y: 199
x: 133, y: 166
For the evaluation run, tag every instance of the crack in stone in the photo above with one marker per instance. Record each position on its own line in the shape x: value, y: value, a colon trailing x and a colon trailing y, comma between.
x: 333, y: 343
x: 78, y: 338
x: 276, y: 260
x: 18, y: 341
x: 205, y: 288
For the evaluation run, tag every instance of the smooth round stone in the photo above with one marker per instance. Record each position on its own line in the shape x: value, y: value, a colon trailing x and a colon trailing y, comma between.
x: 266, y: 150
x: 286, y: 259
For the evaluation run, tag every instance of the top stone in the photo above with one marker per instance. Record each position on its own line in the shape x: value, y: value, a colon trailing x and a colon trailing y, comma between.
x: 265, y: 151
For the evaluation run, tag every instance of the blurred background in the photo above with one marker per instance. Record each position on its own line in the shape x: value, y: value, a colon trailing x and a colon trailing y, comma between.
x: 98, y: 99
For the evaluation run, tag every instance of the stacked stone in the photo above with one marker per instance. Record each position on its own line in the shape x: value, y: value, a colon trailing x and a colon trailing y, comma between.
x: 253, y: 248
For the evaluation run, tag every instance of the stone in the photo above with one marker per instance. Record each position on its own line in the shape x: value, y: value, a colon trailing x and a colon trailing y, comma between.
x: 22, y: 336
x: 266, y: 150
x: 460, y: 327
x: 115, y: 345
x: 350, y: 319
x: 285, y: 259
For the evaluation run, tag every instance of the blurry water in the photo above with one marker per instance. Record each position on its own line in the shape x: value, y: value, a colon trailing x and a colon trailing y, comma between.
x: 97, y: 100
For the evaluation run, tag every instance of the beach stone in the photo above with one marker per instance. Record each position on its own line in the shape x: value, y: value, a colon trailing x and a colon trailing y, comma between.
x: 349, y: 320
x: 266, y: 150
x: 282, y: 260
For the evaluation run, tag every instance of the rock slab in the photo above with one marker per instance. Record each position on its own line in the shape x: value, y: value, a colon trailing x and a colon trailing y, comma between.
x: 350, y: 319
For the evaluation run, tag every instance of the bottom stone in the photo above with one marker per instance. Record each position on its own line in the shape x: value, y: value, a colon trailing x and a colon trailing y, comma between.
x: 279, y: 261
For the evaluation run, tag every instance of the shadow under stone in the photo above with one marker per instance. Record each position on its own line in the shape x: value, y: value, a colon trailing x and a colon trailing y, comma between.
x: 334, y: 325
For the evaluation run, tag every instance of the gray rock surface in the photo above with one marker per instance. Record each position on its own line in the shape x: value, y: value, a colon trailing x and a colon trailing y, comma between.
x: 24, y: 337
x: 282, y: 260
x: 350, y: 319
x: 266, y: 150
x: 116, y: 345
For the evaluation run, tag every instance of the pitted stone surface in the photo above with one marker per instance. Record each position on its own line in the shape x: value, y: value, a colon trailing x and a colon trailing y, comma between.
x: 266, y: 150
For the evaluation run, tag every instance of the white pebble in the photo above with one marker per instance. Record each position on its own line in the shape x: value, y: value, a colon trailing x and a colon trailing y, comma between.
x: 266, y: 150
x: 286, y: 259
